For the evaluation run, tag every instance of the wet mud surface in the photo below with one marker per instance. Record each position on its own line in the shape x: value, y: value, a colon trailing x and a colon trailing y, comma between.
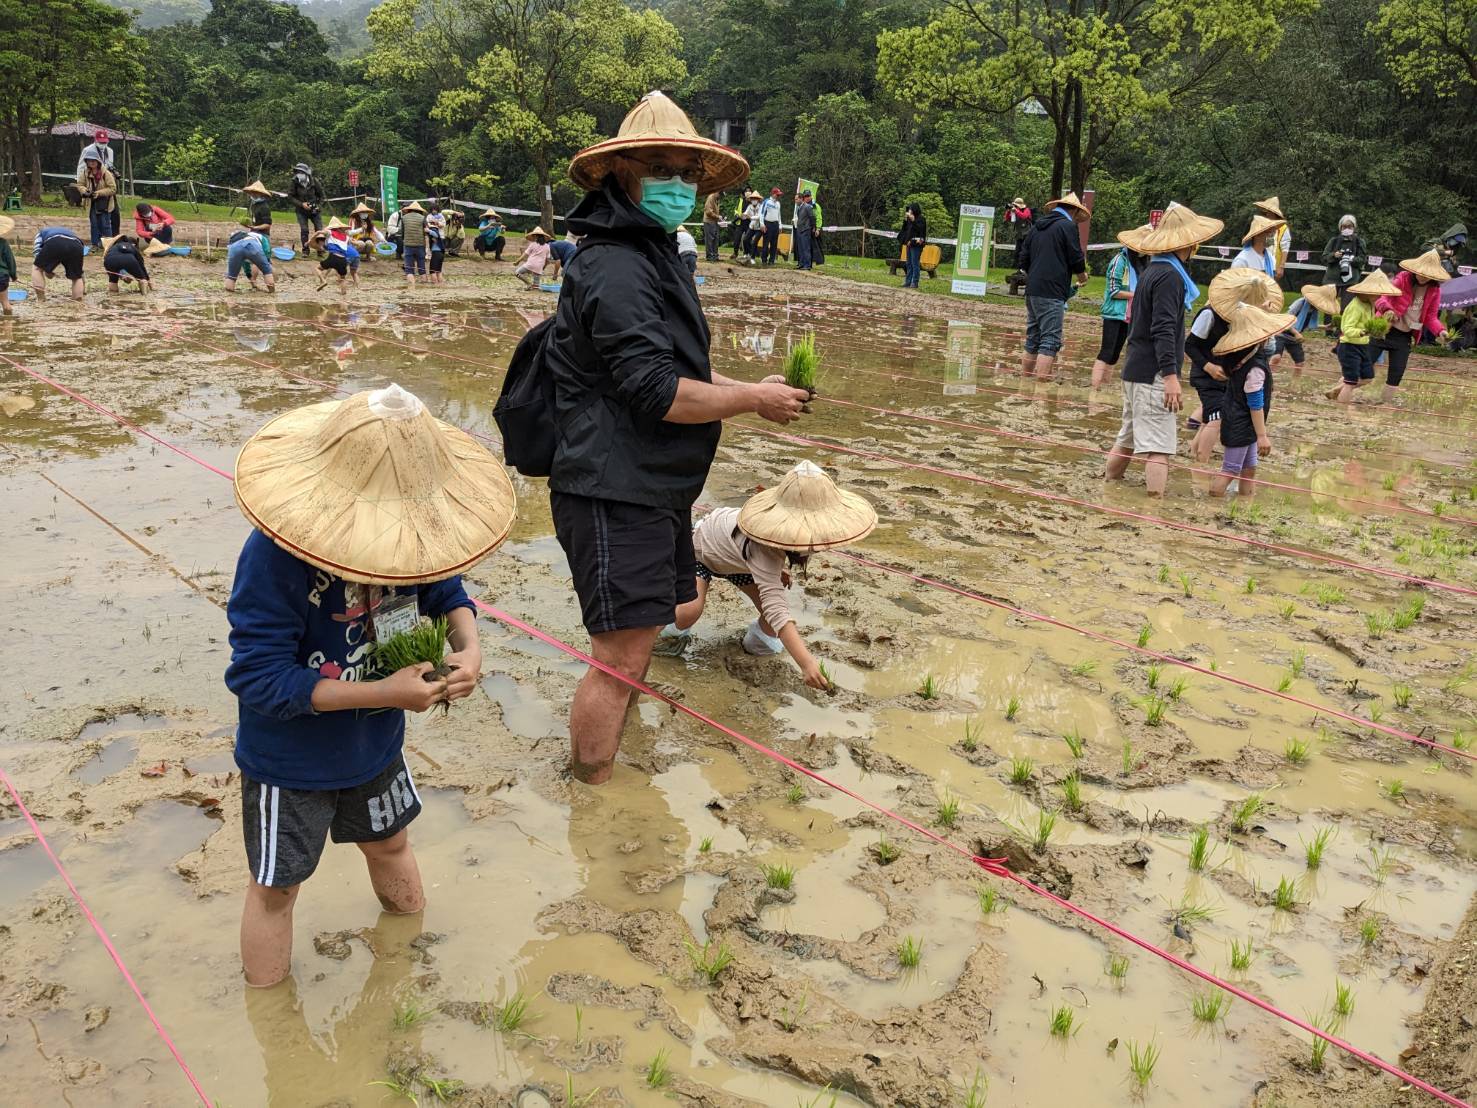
x: 596, y: 905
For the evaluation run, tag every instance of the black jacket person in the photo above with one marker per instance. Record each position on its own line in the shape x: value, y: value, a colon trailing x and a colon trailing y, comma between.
x: 638, y: 406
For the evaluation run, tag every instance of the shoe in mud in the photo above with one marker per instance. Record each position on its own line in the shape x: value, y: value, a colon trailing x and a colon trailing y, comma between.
x: 671, y: 643
x: 759, y: 644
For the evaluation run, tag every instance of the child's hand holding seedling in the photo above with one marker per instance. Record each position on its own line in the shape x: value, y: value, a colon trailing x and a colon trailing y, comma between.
x: 411, y: 688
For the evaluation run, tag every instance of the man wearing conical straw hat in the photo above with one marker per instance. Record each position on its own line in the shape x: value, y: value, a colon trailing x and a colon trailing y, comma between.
x: 1281, y: 242
x: 1257, y: 251
x: 1152, y: 393
x: 639, y: 407
x: 365, y: 512
x: 1248, y: 403
x: 1412, y: 310
x: 756, y: 548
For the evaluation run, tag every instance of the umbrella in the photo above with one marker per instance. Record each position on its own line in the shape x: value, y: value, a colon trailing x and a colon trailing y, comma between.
x: 1460, y: 292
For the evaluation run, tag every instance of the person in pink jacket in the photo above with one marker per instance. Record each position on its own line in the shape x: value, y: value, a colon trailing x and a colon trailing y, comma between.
x: 1411, y: 312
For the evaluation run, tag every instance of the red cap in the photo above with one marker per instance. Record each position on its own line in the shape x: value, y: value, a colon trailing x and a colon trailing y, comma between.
x: 101, y: 136
x: 777, y: 192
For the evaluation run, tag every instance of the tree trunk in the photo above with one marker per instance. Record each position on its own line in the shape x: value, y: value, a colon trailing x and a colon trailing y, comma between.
x: 27, y: 157
x: 1074, y: 149
x: 545, y: 198
x: 1058, y: 154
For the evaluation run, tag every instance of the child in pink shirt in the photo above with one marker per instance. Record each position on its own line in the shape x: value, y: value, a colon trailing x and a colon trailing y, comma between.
x: 530, y: 265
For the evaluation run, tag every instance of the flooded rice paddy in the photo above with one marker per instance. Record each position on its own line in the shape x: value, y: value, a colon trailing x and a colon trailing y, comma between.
x: 1190, y: 831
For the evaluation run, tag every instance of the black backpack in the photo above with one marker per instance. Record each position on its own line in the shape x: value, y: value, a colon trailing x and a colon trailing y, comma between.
x: 525, y: 408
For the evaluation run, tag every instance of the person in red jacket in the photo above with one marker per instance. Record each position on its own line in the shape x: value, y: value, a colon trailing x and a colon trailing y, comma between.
x: 153, y: 223
x: 1411, y: 312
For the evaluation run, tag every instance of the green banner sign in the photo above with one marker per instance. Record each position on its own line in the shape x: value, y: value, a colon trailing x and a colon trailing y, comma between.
x: 389, y: 189
x: 972, y: 256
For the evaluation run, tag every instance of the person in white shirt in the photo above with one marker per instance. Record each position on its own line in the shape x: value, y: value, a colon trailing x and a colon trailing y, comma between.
x: 1256, y: 249
x: 769, y: 215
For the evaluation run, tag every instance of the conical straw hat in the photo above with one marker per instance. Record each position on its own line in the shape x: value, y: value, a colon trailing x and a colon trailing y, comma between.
x: 1251, y: 326
x: 806, y: 512
x: 110, y: 240
x: 1271, y: 205
x: 258, y: 189
x: 1233, y: 287
x: 1375, y: 284
x: 1260, y: 223
x: 7, y: 225
x: 335, y: 224
x: 657, y: 121
x: 1178, y: 228
x: 413, y: 206
x: 540, y: 231
x: 155, y: 248
x: 374, y: 489
x: 1071, y: 200
x: 1428, y: 265
x: 362, y: 209
x: 1323, y: 297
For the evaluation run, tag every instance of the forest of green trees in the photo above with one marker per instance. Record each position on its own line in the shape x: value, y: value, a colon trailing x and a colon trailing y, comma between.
x: 1335, y: 105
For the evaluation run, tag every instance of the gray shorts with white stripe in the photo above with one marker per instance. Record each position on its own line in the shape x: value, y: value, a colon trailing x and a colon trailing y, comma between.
x: 286, y: 829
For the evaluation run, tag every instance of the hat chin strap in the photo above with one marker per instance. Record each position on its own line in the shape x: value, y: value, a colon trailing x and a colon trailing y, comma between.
x: 393, y: 402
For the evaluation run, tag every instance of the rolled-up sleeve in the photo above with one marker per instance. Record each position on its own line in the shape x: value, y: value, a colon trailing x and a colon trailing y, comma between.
x: 268, y: 613
x: 622, y: 313
x: 766, y: 566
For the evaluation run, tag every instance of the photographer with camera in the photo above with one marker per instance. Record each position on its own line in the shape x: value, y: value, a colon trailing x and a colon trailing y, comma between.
x: 1345, y: 257
x: 306, y: 196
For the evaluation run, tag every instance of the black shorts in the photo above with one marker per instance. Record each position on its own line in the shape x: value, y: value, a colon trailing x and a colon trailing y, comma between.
x: 437, y: 257
x: 118, y: 264
x: 336, y: 262
x: 64, y: 252
x: 1115, y: 334
x: 1212, y: 396
x: 1356, y: 363
x: 286, y: 829
x: 1291, y: 346
x: 742, y: 580
x: 632, y: 565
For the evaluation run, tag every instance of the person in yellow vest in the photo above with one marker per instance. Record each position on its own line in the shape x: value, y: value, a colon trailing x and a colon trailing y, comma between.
x: 1281, y: 243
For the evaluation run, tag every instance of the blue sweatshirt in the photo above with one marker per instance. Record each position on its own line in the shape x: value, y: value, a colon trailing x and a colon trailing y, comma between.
x: 291, y: 626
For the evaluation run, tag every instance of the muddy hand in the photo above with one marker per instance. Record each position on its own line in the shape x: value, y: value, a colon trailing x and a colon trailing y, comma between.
x: 779, y: 403
x: 466, y: 670
x: 408, y: 688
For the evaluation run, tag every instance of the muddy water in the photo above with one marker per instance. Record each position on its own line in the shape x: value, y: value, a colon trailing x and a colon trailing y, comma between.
x: 120, y: 553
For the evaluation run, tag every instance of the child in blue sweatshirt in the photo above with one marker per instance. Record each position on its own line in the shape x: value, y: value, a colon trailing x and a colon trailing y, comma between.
x: 320, y: 738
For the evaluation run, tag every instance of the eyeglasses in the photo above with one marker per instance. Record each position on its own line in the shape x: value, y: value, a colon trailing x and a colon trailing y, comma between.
x: 659, y: 172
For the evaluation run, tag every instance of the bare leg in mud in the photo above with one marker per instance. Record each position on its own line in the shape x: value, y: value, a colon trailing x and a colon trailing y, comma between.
x: 266, y: 934
x: 601, y: 703
x: 394, y: 874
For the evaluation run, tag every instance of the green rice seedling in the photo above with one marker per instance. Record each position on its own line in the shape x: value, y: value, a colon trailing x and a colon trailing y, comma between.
x: 1320, y: 1044
x: 826, y: 675
x: 1200, y: 847
x: 1376, y: 712
x: 1402, y: 694
x: 1369, y: 930
x: 795, y: 793
x: 1313, y: 851
x: 1141, y: 1062
x: 1461, y: 740
x: 909, y: 952
x: 977, y: 1091
x: 1380, y: 863
x: 1285, y: 681
x: 1343, y: 999
x: 579, y: 1023
x: 1298, y: 662
x: 658, y: 1073
x: 1064, y: 1021
x: 947, y: 815
x: 1245, y: 812
x: 409, y: 1013
x: 1152, y: 672
x: 573, y: 1099
x: 886, y: 852
x: 991, y: 901
x: 1164, y: 575
x: 930, y: 689
x: 1012, y: 707
x: 1072, y: 792
x: 1410, y: 611
x: 1177, y: 687
x: 1376, y: 624
x: 1285, y: 895
x: 1130, y: 757
x: 1187, y: 584
x: 1461, y: 678
x: 819, y: 1101
x: 1084, y: 668
x: 1250, y: 586
x: 402, y: 1091
x: 1329, y: 595
x: 1154, y: 708
x: 1045, y: 824
x: 971, y: 740
x: 1191, y: 912
x: 1075, y: 742
x: 793, y: 1012
x: 1388, y: 482
x: 1145, y: 634
x: 1241, y: 955
x: 801, y: 364
x: 709, y: 960
x: 513, y: 1013
x: 1296, y: 751
x: 444, y: 1089
x: 779, y: 875
x: 1210, y: 1006
x: 1379, y: 327
x: 1287, y: 609
x: 1118, y: 968
x: 1021, y: 769
x: 425, y: 642
x: 706, y: 845
x: 1394, y: 789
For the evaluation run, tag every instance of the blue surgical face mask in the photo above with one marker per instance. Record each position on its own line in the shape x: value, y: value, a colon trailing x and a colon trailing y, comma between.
x: 667, y: 202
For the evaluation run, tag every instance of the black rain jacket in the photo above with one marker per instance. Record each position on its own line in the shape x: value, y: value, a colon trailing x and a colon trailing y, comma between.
x: 628, y: 327
x: 1050, y: 254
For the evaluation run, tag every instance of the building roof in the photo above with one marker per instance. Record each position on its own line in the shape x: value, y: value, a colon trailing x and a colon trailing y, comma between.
x: 84, y: 129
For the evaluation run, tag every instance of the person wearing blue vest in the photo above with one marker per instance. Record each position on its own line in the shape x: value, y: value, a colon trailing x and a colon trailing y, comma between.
x: 1051, y: 256
x: 1152, y: 393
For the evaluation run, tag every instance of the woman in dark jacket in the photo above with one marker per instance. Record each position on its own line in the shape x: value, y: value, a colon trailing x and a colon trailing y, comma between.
x: 1345, y: 257
x: 638, y: 409
x: 913, y: 235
